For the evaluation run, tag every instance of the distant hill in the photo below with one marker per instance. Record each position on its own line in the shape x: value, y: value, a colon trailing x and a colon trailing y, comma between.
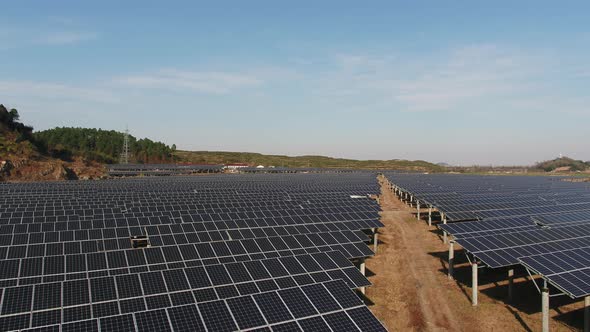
x: 254, y: 159
x: 563, y: 164
x: 72, y: 153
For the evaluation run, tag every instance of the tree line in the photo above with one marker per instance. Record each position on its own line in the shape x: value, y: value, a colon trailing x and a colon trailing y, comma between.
x: 102, y: 145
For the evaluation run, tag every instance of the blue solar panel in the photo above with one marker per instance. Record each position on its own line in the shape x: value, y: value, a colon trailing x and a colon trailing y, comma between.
x: 183, y: 253
x: 568, y: 270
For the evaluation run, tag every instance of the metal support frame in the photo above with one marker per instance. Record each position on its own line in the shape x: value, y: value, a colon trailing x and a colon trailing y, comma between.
x: 418, y: 209
x: 430, y: 216
x: 540, y: 289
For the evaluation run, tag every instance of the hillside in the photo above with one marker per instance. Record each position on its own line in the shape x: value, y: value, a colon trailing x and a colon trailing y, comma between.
x: 24, y: 158
x: 254, y: 159
x: 563, y: 164
x: 80, y: 153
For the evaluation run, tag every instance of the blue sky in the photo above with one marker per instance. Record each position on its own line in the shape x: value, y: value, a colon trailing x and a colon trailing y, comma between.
x: 460, y: 82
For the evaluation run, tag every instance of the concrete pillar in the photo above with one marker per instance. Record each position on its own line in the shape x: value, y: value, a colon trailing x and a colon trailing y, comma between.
x: 375, y: 239
x: 474, y: 283
x: 444, y: 220
x: 418, y: 209
x: 362, y: 269
x: 430, y: 216
x: 451, y: 258
x: 587, y: 314
x: 545, y: 307
x: 510, y: 284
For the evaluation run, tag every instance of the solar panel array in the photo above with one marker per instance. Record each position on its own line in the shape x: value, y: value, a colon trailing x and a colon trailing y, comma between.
x: 226, y: 252
x: 160, y: 169
x: 296, y: 170
x: 531, y: 220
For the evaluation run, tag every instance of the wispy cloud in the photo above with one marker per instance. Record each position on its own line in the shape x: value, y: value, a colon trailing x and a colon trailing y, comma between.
x: 467, y: 75
x: 202, y: 82
x: 65, y: 37
x: 54, y: 30
x: 54, y: 91
x: 445, y: 81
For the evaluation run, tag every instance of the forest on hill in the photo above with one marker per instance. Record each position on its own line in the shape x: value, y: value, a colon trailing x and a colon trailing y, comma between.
x: 65, y: 143
x: 563, y: 163
x: 102, y: 145
x: 67, y: 153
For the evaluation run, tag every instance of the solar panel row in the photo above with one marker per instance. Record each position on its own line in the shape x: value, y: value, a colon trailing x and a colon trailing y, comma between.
x: 187, y: 253
x: 317, y: 307
x: 540, y: 222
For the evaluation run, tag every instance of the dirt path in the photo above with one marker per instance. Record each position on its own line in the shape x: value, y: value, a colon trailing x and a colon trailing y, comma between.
x: 405, y: 289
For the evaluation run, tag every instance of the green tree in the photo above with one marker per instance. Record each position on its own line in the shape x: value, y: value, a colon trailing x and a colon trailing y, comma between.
x: 14, y: 115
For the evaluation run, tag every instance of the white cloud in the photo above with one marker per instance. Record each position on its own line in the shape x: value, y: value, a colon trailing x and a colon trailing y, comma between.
x: 202, y: 82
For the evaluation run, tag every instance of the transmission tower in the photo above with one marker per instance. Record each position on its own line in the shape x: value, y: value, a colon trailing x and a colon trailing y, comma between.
x: 125, y: 153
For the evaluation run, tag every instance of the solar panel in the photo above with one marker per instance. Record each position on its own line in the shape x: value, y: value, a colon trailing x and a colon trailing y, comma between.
x: 505, y: 249
x: 568, y: 270
x: 297, y: 302
x: 156, y: 320
x: 246, y: 312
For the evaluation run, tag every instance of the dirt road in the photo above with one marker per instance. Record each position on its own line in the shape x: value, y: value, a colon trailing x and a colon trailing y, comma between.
x: 411, y: 291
